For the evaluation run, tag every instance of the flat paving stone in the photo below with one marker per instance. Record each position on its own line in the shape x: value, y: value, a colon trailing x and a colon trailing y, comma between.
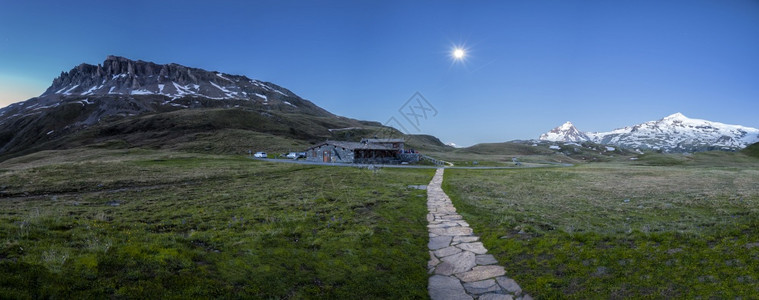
x: 444, y: 225
x: 442, y: 214
x: 466, y: 238
x: 494, y: 296
x: 456, y: 263
x: 485, y: 259
x: 475, y: 247
x: 439, y: 242
x: 445, y: 210
x: 434, y: 261
x: 447, y: 251
x: 509, y: 284
x: 481, y: 273
x: 452, y: 231
x: 446, y: 287
x: 482, y: 287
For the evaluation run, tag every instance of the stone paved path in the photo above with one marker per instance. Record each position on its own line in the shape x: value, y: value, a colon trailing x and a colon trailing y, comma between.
x: 459, y: 263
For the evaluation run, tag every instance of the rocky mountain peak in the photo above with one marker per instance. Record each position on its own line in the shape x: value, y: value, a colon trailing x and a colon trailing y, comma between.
x: 122, y: 76
x: 567, y: 132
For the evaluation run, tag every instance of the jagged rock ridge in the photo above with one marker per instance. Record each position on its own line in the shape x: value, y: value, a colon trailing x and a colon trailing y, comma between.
x: 122, y: 76
x: 121, y: 87
x: 674, y: 133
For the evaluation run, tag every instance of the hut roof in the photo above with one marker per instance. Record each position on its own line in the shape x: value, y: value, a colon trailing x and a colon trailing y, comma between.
x: 383, y: 140
x: 354, y: 145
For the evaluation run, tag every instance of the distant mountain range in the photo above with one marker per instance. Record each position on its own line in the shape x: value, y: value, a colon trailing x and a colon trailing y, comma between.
x: 142, y: 103
x: 674, y: 133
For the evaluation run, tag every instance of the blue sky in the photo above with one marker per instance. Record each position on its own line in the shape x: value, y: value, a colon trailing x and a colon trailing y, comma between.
x: 530, y: 65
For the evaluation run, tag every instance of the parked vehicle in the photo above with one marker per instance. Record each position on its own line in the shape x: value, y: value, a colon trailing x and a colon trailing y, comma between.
x: 260, y: 154
x: 296, y: 155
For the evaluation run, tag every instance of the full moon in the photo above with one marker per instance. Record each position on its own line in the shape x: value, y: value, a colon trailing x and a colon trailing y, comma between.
x: 458, y: 53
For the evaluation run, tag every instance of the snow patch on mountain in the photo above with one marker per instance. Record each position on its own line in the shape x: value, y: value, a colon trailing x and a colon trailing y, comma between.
x: 222, y: 76
x: 674, y: 133
x: 141, y: 92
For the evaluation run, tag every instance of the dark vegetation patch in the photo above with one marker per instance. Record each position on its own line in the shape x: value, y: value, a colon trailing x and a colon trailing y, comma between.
x: 752, y: 150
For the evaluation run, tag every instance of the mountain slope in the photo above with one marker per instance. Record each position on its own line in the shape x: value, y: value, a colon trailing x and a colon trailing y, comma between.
x: 674, y: 133
x: 147, y: 104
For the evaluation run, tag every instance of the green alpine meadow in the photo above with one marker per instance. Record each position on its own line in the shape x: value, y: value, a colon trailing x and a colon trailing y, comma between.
x: 146, y: 224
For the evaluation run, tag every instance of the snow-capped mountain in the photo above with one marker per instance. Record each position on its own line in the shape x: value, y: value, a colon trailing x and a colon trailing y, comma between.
x: 567, y: 132
x: 674, y: 133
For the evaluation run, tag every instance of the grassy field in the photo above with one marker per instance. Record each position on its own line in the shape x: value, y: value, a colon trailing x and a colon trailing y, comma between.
x: 666, y: 226
x: 134, y: 223
x: 103, y: 223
